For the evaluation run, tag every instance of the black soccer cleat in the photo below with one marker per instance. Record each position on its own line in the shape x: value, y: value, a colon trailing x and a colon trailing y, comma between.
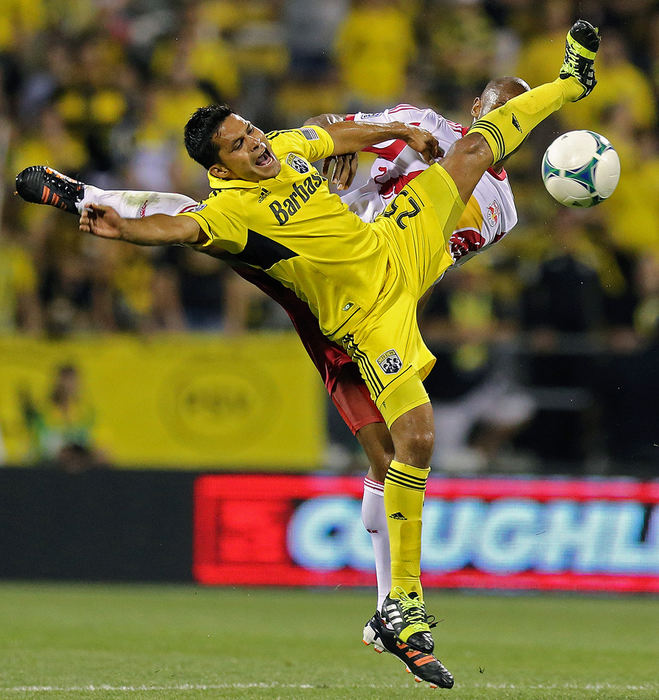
x: 407, y: 615
x: 42, y: 185
x: 581, y: 45
x: 425, y: 667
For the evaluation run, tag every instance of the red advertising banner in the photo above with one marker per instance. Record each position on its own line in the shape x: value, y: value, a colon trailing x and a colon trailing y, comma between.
x: 549, y: 534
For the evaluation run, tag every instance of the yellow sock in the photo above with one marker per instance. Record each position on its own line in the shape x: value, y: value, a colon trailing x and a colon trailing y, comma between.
x: 404, y: 489
x: 505, y: 128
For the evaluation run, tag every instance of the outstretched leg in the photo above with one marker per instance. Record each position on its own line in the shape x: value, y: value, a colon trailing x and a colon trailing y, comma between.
x: 40, y: 184
x: 501, y: 131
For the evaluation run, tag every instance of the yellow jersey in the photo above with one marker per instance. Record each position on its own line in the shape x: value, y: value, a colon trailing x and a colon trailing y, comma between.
x: 302, y: 235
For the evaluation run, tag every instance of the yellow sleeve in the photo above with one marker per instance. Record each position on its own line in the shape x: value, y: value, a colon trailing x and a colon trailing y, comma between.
x: 310, y: 142
x: 221, y: 219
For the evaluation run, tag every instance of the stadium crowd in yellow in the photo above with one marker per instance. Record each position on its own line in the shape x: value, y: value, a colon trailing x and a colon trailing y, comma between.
x: 107, y: 102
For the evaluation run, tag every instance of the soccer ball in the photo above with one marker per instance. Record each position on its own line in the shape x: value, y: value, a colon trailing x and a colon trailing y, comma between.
x: 580, y: 169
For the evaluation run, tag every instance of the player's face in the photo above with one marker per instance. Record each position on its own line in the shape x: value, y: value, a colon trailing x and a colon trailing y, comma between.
x: 244, y: 152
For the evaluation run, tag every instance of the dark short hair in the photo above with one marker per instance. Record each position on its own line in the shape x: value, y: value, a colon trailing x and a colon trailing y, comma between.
x: 199, y: 132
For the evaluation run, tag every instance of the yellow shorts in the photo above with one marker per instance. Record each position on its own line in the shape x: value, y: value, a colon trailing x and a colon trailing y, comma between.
x: 385, y: 342
x: 418, y: 226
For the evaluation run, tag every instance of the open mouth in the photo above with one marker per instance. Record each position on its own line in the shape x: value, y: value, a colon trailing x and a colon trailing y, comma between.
x: 265, y: 158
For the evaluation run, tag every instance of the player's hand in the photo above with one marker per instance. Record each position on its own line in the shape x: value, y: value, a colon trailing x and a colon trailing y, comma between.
x: 341, y: 170
x: 100, y: 221
x: 423, y: 142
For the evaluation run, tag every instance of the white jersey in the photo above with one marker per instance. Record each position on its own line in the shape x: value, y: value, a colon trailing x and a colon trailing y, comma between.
x: 490, y: 213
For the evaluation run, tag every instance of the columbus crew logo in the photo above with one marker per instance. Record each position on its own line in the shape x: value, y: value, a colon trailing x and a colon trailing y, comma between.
x: 298, y: 163
x: 390, y: 362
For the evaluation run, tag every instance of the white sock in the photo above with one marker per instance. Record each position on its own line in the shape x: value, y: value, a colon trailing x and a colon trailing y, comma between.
x: 134, y: 204
x: 375, y: 522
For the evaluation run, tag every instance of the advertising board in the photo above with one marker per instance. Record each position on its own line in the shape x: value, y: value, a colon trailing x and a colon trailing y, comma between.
x: 548, y: 534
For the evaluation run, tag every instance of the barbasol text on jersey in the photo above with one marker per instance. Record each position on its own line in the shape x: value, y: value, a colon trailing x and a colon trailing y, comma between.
x: 300, y: 195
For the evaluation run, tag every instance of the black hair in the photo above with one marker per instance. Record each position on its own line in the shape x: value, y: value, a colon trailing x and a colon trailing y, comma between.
x: 199, y: 132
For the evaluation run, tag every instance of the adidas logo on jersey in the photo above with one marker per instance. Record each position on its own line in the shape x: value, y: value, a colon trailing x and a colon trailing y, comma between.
x: 397, y: 516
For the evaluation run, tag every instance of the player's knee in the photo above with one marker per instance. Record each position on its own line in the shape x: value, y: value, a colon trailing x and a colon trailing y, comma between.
x: 416, y: 447
x: 468, y: 158
x: 474, y: 148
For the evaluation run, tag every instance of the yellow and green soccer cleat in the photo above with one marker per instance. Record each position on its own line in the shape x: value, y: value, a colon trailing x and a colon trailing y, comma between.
x: 407, y: 615
x: 581, y: 45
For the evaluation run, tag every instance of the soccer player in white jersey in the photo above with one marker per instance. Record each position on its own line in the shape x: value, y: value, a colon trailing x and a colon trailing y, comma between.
x: 490, y: 213
x: 488, y: 216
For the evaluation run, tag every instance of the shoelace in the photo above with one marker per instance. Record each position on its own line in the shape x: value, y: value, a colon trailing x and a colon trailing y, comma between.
x: 571, y: 57
x: 414, y: 609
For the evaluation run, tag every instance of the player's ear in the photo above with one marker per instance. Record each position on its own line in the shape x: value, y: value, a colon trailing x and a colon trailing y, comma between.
x: 219, y: 171
x: 476, y: 108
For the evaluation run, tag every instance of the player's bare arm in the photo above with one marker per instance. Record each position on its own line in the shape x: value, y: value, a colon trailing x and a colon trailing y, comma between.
x: 158, y: 229
x: 325, y: 120
x: 339, y: 170
x: 350, y: 136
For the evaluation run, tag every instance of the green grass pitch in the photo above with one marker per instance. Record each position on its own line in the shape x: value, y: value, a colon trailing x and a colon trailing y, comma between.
x: 159, y: 642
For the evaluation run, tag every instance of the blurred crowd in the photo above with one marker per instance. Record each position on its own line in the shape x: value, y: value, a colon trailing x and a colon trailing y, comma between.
x: 101, y: 89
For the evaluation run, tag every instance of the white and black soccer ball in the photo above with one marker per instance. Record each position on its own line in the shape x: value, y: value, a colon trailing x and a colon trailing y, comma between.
x: 580, y: 169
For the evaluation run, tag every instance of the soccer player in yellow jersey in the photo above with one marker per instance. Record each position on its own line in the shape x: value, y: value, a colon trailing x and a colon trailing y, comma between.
x: 393, y: 169
x: 270, y: 209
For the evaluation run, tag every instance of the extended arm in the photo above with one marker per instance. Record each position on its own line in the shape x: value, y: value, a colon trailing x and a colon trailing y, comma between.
x: 325, y: 120
x: 350, y: 136
x: 158, y: 229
